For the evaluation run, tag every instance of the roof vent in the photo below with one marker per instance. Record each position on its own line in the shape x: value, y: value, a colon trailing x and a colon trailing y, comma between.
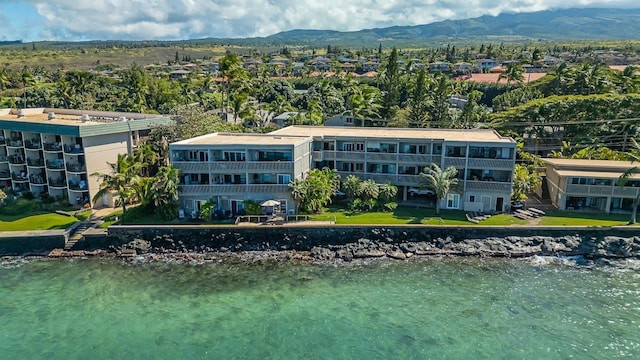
x: 122, y: 119
x: 85, y: 117
x: 20, y: 113
x: 51, y: 116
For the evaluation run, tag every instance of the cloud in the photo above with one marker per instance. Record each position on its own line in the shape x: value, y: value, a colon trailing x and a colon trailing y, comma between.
x: 188, y: 19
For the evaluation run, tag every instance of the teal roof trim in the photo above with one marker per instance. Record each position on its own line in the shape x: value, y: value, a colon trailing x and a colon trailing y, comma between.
x: 42, y: 128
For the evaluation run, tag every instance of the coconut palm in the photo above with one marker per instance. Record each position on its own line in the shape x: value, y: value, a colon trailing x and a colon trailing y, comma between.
x: 525, y: 180
x: 438, y: 180
x: 298, y: 190
x: 388, y: 192
x: 165, y: 191
x: 123, y: 179
x: 369, y: 190
x: 622, y: 181
x: 351, y: 186
x: 513, y: 73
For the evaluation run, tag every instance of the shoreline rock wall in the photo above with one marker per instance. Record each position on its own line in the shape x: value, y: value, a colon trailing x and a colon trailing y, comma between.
x: 352, y: 242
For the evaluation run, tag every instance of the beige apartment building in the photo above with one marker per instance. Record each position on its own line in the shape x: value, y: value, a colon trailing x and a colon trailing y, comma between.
x: 232, y: 168
x: 574, y: 184
x: 55, y: 151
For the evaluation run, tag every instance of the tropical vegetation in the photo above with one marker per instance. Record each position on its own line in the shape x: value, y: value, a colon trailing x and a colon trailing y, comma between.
x: 441, y: 181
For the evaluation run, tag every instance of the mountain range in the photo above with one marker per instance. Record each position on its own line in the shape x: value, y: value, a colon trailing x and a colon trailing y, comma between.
x: 553, y: 25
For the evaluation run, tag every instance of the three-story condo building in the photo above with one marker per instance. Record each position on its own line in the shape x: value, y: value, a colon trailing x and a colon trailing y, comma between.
x: 232, y: 168
x: 55, y: 151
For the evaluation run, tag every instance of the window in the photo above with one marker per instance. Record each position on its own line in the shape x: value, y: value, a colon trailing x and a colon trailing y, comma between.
x: 453, y: 201
x: 472, y: 198
x: 359, y: 167
x: 284, y: 178
x: 234, y: 156
x: 359, y: 146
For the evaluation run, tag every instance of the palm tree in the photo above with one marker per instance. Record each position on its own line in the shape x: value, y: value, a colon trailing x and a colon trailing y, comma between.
x: 351, y: 186
x: 525, y: 180
x: 438, y: 180
x: 147, y: 158
x: 513, y: 73
x: 369, y: 190
x: 4, y: 79
x: 165, y: 194
x: 388, y: 192
x: 123, y: 179
x: 627, y: 80
x: 28, y: 80
x: 298, y: 190
x: 622, y: 181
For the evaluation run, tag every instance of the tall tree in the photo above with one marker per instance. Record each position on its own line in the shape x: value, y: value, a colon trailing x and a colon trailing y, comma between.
x: 123, y: 179
x: 513, y: 73
x: 390, y: 86
x: 438, y: 180
x: 418, y: 101
x: 525, y: 180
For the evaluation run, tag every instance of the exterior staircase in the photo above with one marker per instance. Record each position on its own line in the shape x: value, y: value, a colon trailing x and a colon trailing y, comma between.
x: 76, y: 234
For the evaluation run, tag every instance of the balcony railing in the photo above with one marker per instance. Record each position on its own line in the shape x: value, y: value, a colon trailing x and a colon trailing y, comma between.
x: 58, y: 183
x: 215, y: 190
x: 458, y: 162
x: 76, y: 167
x: 35, y: 162
x: 14, y: 143
x: 37, y: 179
x: 54, y: 147
x: 4, y: 175
x: 33, y: 144
x: 4, y: 159
x: 17, y: 159
x: 73, y: 149
x: 492, y: 186
x: 55, y: 164
x: 19, y: 177
x: 484, y: 164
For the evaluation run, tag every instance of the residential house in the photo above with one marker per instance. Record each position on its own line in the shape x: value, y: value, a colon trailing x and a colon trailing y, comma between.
x: 55, y: 151
x: 576, y: 184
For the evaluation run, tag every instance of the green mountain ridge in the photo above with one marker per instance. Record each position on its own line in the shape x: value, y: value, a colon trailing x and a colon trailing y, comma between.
x: 568, y: 24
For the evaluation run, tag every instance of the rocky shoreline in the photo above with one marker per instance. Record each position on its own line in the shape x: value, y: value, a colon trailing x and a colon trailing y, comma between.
x: 243, y: 251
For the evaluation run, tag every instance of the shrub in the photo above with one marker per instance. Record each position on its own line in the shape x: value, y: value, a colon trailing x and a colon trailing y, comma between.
x: 20, y: 206
x: 28, y: 195
x: 47, y: 199
x: 252, y: 207
x: 390, y: 206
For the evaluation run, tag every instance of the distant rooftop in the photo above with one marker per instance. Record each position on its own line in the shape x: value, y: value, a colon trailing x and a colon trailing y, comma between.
x: 591, y: 165
x: 395, y: 133
x: 243, y: 139
x: 77, y: 122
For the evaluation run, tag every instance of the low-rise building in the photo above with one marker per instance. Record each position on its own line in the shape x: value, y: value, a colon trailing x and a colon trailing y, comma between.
x: 55, y: 151
x: 574, y: 184
x: 232, y: 168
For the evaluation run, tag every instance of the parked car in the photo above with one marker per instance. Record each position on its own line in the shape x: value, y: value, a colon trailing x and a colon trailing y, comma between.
x: 413, y: 191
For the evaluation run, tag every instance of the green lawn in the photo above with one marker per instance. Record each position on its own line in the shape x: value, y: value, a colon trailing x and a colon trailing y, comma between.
x: 411, y: 215
x: 577, y: 218
x: 47, y: 221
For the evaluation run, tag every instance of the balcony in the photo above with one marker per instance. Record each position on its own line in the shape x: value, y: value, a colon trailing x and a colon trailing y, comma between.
x: 17, y: 159
x: 77, y: 185
x: 37, y: 179
x: 317, y: 156
x: 35, y: 162
x: 505, y: 164
x: 414, y: 158
x: 4, y: 159
x: 76, y: 167
x: 491, y: 186
x: 33, y: 144
x: 218, y: 190
x: 52, y: 147
x: 73, y: 149
x: 382, y: 156
x: 3, y: 141
x: 457, y: 162
x: 22, y: 177
x: 346, y: 155
x: 15, y: 143
x: 5, y: 175
x: 57, y: 164
x: 58, y: 183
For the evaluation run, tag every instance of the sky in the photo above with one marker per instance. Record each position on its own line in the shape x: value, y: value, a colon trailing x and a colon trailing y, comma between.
x: 74, y: 20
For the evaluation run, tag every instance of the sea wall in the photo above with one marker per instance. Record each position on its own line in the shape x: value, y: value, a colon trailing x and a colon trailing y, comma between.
x: 31, y: 242
x: 348, y: 242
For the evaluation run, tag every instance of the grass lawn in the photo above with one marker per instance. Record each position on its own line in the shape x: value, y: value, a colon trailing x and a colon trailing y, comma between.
x: 576, y: 218
x: 411, y: 215
x: 46, y: 221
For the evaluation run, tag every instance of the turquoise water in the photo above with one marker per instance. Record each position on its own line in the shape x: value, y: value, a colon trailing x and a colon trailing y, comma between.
x: 456, y: 308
